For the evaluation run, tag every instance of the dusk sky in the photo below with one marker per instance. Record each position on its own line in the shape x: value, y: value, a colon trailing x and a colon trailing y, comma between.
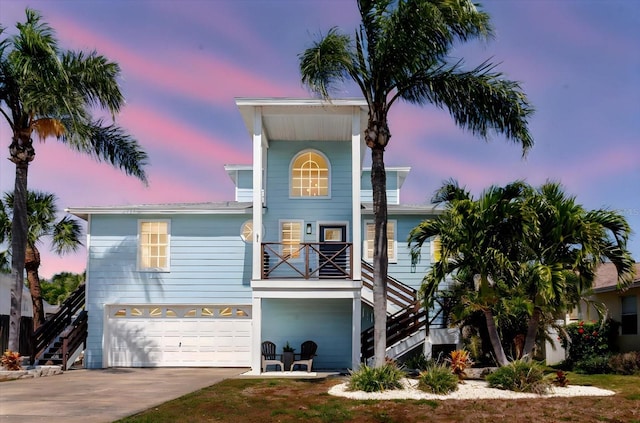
x: 183, y: 63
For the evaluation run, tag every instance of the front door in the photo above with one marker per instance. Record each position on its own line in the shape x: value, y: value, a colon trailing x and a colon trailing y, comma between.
x: 334, y: 258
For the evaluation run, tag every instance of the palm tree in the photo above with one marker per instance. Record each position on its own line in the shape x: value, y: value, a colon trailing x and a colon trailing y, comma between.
x: 400, y: 52
x: 41, y: 218
x: 52, y: 92
x: 565, y: 251
x: 480, y: 242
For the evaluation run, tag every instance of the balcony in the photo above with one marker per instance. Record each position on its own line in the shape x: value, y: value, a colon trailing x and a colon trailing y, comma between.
x: 313, y: 260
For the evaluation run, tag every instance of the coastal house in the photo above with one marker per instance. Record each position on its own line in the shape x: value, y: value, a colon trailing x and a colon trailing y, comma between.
x: 288, y: 260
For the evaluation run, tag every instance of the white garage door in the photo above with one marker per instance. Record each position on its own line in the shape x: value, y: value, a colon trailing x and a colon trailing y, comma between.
x: 170, y: 336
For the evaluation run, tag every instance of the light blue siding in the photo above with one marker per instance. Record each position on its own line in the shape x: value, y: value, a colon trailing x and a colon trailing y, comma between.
x: 310, y: 210
x: 327, y: 322
x: 366, y: 189
x: 209, y: 264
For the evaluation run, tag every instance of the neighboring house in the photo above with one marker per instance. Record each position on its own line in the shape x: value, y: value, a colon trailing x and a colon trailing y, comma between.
x: 286, y: 261
x: 621, y: 305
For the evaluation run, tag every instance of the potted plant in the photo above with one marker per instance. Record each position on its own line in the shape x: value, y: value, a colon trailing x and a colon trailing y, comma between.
x: 287, y: 355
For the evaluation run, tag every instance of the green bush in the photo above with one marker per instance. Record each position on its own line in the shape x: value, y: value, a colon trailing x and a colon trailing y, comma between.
x: 418, y: 362
x: 519, y: 376
x: 594, y: 365
x: 589, y: 339
x: 376, y: 379
x: 438, y: 379
x: 625, y: 363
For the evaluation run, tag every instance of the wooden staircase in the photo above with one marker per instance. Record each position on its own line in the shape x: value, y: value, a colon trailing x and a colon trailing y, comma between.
x: 406, y: 328
x: 63, y: 335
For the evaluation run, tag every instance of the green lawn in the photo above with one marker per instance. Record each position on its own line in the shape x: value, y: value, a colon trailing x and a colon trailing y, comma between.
x: 286, y: 400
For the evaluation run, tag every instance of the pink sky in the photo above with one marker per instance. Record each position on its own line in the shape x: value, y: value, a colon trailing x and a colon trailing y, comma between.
x: 184, y: 62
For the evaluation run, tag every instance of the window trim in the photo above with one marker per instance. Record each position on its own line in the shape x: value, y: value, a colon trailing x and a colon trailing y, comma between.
x: 139, y: 267
x: 328, y: 164
x: 365, y: 241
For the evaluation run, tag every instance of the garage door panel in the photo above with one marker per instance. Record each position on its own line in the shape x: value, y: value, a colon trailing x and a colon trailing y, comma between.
x: 145, y: 340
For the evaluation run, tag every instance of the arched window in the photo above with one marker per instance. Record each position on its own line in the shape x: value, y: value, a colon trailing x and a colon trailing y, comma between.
x: 310, y: 175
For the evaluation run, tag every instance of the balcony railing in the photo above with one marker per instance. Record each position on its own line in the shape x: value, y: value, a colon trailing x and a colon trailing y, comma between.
x: 308, y: 260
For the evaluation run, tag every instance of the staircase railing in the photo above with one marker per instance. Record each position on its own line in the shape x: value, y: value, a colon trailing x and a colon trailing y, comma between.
x: 74, y: 337
x: 54, y: 326
x: 397, y: 293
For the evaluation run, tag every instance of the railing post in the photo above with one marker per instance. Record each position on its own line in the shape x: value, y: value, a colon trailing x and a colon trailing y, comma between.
x: 306, y: 261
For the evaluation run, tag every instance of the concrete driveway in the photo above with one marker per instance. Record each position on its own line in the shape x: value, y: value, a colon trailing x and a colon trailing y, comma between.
x: 101, y: 395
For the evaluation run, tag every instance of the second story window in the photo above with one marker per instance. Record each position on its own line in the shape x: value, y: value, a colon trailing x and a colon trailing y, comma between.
x: 309, y: 175
x: 369, y: 236
x: 153, y: 245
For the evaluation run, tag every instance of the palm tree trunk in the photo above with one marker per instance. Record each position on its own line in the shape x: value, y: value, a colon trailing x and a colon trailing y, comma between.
x: 532, y: 332
x: 21, y: 153
x: 498, y: 350
x: 380, y: 255
x: 32, y: 264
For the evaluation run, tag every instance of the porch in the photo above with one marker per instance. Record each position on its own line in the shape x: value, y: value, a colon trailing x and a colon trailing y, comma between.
x: 307, y: 260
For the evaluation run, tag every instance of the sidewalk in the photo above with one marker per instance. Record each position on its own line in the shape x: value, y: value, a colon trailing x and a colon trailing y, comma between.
x: 101, y: 395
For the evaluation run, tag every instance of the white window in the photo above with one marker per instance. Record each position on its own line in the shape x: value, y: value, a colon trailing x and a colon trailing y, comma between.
x: 309, y: 175
x: 629, y: 321
x: 369, y: 236
x: 291, y: 237
x: 153, y: 245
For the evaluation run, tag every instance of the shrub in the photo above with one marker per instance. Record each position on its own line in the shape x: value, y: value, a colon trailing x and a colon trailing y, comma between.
x: 561, y: 379
x: 589, y: 339
x: 458, y: 362
x: 519, y: 376
x: 625, y: 363
x: 11, y: 360
x: 594, y: 365
x: 418, y: 362
x: 376, y: 379
x: 438, y: 379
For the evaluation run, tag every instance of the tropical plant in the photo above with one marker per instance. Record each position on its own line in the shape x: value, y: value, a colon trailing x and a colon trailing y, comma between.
x: 438, y: 379
x: 519, y: 376
x: 560, y: 379
x: 586, y: 340
x: 376, y: 379
x: 564, y: 252
x: 459, y: 361
x: 480, y: 242
x: 520, y: 256
x: 11, y: 360
x: 42, y: 222
x: 400, y: 52
x: 61, y: 286
x: 53, y: 92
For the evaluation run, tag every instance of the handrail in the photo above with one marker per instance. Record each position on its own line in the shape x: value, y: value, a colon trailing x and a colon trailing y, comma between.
x: 397, y: 292
x: 310, y: 260
x: 54, y: 326
x: 75, y: 337
x: 401, y: 325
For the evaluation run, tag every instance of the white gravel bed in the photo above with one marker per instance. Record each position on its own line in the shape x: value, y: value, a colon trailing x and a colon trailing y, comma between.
x: 471, y: 389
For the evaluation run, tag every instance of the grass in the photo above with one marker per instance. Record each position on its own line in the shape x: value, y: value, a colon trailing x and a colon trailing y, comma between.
x: 286, y: 400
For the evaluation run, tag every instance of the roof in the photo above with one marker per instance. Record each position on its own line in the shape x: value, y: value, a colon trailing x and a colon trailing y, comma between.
x: 223, y: 207
x: 405, y: 209
x: 295, y: 119
x: 607, y: 278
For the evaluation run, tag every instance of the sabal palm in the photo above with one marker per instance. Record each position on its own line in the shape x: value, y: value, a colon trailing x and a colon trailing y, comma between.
x: 52, y: 92
x: 400, y: 53
x: 565, y: 251
x: 480, y: 240
x: 42, y: 221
